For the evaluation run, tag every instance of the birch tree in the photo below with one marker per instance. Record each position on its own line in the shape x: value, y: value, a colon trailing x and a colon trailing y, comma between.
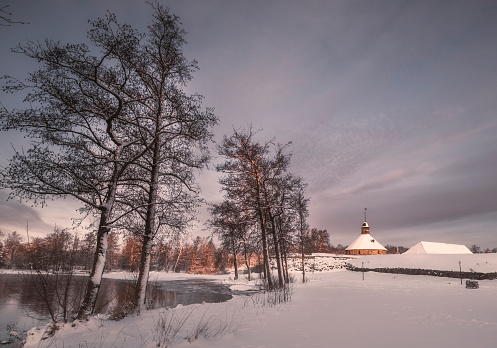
x: 114, y: 130
x: 80, y: 117
x: 174, y: 129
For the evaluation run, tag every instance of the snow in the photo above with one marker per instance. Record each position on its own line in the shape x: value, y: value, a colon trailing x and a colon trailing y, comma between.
x: 365, y: 241
x: 438, y: 248
x: 317, y: 262
x: 245, y: 287
x: 481, y: 263
x: 334, y: 308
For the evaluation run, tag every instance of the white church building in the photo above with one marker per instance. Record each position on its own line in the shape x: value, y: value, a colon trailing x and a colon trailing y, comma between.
x: 365, y: 244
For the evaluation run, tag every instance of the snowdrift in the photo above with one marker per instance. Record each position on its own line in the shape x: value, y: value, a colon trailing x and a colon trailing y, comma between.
x: 317, y: 262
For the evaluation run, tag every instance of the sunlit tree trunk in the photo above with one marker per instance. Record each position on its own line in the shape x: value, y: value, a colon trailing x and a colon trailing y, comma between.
x: 95, y: 279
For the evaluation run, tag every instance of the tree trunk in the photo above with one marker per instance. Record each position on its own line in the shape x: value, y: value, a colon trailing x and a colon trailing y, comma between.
x: 265, y: 252
x: 97, y: 270
x: 285, y: 262
x: 247, y: 262
x: 303, y: 255
x: 259, y: 265
x: 235, y: 261
x: 93, y: 286
x: 141, y: 285
x: 177, y: 259
x: 143, y: 272
x: 276, y: 249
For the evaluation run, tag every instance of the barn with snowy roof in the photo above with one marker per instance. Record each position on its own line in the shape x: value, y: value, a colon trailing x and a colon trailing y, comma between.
x: 423, y: 248
x: 365, y: 244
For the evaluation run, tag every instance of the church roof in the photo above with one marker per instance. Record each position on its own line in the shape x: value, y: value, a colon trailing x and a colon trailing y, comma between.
x: 437, y: 248
x: 365, y: 241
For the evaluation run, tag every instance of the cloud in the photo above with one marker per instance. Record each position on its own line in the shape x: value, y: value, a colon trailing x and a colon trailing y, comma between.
x: 15, y: 215
x: 390, y: 105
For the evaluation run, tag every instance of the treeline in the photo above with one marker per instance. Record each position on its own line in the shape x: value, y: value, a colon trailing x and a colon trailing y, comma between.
x: 63, y: 251
x: 475, y: 249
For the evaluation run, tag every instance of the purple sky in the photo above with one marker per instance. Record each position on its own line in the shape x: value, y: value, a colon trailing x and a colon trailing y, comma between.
x: 391, y: 105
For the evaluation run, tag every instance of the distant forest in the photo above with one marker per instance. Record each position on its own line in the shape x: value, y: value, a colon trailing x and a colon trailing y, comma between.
x: 65, y: 251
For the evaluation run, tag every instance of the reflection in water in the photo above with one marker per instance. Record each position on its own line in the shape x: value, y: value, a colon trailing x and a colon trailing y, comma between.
x: 21, y: 303
x: 29, y: 292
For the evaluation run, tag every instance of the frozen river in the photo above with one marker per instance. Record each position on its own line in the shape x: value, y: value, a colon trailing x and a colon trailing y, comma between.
x: 22, y: 308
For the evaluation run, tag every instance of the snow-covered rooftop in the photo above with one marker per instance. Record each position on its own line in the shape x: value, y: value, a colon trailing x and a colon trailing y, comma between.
x: 365, y: 241
x: 437, y: 248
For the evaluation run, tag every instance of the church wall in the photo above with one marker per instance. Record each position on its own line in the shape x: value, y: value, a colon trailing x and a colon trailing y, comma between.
x: 366, y: 252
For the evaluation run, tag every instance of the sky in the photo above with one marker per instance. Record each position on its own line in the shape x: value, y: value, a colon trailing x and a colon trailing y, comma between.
x: 389, y: 105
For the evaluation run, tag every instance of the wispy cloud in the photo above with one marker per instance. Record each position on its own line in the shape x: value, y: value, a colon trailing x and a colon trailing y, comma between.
x: 390, y: 105
x: 14, y: 216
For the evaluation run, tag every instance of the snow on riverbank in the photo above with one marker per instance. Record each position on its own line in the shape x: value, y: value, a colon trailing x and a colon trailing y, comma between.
x: 335, y: 308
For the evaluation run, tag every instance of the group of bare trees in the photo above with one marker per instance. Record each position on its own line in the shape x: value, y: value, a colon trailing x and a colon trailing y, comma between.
x: 111, y: 126
x: 64, y: 252
x: 59, y: 251
x: 197, y: 256
x: 264, y: 208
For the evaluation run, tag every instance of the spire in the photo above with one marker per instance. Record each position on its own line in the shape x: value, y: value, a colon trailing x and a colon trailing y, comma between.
x: 365, y: 226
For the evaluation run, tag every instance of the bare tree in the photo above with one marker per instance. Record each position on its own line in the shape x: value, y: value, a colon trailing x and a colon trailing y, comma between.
x: 299, y: 204
x: 80, y: 120
x: 5, y: 17
x: 115, y: 131
x: 230, y: 223
x: 12, y: 245
x: 243, y: 181
x: 253, y: 170
x: 318, y: 241
x: 175, y: 132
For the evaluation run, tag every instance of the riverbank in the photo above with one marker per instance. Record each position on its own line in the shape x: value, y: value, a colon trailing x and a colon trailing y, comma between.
x: 334, y: 308
x: 23, y: 305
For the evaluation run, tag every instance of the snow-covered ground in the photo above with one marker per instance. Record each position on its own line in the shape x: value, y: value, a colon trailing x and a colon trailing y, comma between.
x: 317, y: 262
x: 334, y: 309
x: 481, y: 263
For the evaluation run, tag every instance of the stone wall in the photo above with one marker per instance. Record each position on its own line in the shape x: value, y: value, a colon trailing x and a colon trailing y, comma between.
x: 430, y: 272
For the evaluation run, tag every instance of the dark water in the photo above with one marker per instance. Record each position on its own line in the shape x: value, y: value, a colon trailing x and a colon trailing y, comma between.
x: 22, y: 307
